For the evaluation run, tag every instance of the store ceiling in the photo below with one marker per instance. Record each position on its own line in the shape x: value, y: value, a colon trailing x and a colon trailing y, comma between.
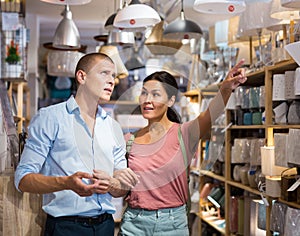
x: 90, y: 18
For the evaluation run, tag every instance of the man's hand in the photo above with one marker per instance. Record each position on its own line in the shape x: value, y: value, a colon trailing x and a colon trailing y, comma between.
x: 79, y: 183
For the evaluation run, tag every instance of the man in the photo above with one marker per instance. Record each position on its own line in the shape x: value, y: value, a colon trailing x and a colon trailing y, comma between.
x: 73, y: 151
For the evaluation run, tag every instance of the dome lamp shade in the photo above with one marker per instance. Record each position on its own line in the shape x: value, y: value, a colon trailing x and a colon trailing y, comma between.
x: 220, y: 6
x: 136, y: 15
x: 66, y: 35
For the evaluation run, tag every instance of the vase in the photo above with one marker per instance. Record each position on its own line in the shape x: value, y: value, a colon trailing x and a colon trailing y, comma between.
x: 12, y: 70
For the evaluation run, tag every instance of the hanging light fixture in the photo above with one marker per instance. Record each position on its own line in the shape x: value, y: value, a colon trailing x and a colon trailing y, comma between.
x: 67, y: 2
x: 135, y: 61
x: 220, y: 6
x: 290, y: 3
x: 182, y: 28
x: 66, y: 35
x: 136, y: 15
x: 113, y: 53
x: 284, y: 13
x: 158, y: 45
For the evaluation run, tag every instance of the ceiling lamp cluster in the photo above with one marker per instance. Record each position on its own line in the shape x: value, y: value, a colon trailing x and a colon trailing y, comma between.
x: 220, y: 6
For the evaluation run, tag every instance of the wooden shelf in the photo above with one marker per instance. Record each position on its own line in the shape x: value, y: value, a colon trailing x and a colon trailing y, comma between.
x: 261, y: 77
x: 242, y: 186
x: 212, y: 175
x: 291, y: 204
x: 214, y: 222
x: 247, y: 127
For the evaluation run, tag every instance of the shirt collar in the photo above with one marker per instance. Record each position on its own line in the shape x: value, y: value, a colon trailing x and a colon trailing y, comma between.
x: 73, y: 107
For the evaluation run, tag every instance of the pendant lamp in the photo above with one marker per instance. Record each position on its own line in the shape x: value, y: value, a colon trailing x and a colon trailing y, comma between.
x: 113, y: 53
x: 284, y: 13
x: 67, y: 2
x: 66, y: 35
x: 220, y: 6
x: 135, y: 61
x: 182, y: 28
x: 290, y: 3
x: 158, y: 45
x: 121, y: 38
x: 136, y: 15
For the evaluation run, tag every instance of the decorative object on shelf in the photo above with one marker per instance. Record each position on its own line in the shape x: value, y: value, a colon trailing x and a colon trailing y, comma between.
x: 66, y: 34
x: 217, y: 197
x: 268, y: 166
x: 158, y: 45
x: 13, y: 68
x: 136, y: 15
x: 182, y: 28
x: 11, y: 6
x: 12, y: 56
x: 292, y: 222
x: 278, y: 214
x: 288, y: 178
x: 293, y: 49
x: 220, y: 6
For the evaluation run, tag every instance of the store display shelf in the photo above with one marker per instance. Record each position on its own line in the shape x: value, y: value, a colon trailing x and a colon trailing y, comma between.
x: 212, y: 175
x: 214, y: 221
x: 193, y: 92
x: 291, y: 204
x: 247, y: 127
x: 244, y: 187
x: 14, y: 79
x: 284, y: 126
x: 283, y: 66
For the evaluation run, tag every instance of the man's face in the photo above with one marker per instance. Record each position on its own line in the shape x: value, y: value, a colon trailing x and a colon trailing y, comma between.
x: 101, y: 79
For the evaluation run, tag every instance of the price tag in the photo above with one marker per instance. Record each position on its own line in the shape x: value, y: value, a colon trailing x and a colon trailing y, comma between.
x: 294, y: 186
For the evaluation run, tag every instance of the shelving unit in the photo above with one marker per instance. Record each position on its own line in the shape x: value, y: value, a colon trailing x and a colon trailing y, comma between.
x: 257, y: 78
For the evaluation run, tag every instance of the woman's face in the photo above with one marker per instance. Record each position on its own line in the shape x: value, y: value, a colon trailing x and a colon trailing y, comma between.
x: 153, y: 100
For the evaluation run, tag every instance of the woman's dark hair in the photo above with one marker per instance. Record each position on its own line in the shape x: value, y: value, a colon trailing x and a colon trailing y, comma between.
x: 169, y: 83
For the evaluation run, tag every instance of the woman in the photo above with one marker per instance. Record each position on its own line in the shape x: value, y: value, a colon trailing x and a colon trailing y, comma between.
x: 157, y: 204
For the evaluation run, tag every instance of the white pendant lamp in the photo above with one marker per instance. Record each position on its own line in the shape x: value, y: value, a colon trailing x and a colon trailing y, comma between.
x: 220, y: 6
x: 290, y: 3
x: 67, y: 2
x: 136, y: 15
x: 182, y: 28
x: 66, y: 35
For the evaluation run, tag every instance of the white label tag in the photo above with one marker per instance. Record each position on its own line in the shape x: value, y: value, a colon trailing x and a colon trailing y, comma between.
x: 294, y: 186
x: 264, y: 200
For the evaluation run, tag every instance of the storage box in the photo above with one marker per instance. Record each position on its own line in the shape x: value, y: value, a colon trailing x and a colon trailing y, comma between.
x: 268, y: 166
x: 273, y: 186
x: 281, y: 142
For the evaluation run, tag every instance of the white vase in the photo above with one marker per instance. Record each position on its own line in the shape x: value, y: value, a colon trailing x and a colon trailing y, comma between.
x: 13, y: 70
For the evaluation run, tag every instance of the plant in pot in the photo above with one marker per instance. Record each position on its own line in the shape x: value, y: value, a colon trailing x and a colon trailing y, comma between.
x: 13, y: 67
